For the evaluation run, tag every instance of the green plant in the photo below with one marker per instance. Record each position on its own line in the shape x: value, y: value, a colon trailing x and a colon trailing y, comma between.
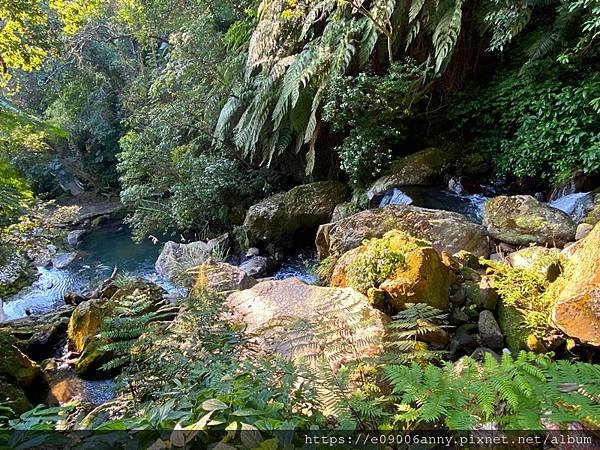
x: 515, y: 394
x: 409, y: 329
x: 132, y: 317
x: 538, y: 120
x: 378, y: 259
x: 524, y: 290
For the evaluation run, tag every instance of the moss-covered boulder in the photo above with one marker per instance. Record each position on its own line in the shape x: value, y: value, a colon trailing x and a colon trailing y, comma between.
x: 19, y: 371
x: 523, y: 220
x: 84, y: 324
x: 425, y: 167
x: 576, y: 293
x: 447, y: 231
x: 401, y: 269
x: 513, y: 323
x: 276, y: 219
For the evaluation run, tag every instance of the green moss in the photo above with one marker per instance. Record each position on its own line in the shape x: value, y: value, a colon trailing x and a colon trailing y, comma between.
x: 380, y: 258
x: 523, y: 299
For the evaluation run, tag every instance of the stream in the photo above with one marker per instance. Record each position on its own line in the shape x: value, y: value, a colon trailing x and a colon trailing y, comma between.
x: 98, y: 253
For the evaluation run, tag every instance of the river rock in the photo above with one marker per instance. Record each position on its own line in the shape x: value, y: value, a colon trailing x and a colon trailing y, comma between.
x: 583, y: 229
x: 422, y: 277
x: 275, y: 219
x: 62, y: 260
x: 281, y: 302
x: 74, y: 237
x: 447, y: 231
x: 481, y: 294
x: 489, y: 331
x: 223, y: 277
x: 342, y: 211
x: 39, y: 336
x: 593, y: 215
x: 523, y: 220
x: 21, y: 372
x: 425, y: 167
x: 176, y: 260
x: 258, y: 266
x: 576, y: 308
x: 84, y: 324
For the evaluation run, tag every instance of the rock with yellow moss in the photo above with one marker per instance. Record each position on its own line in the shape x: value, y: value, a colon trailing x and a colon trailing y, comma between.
x: 576, y: 293
x: 395, y: 270
x: 523, y: 220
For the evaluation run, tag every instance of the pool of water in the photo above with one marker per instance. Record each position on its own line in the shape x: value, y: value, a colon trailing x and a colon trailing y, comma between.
x: 99, y: 252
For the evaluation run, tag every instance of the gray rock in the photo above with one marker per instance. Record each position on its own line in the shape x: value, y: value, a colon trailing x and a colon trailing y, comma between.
x: 258, y: 266
x: 425, y: 167
x: 583, y: 229
x: 273, y: 222
x: 251, y: 252
x: 62, y: 260
x: 175, y: 260
x: 489, y: 331
x: 480, y: 352
x: 447, y: 231
x: 74, y: 237
x: 463, y: 341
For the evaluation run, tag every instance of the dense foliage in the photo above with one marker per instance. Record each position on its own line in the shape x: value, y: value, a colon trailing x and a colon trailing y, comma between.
x: 540, y: 119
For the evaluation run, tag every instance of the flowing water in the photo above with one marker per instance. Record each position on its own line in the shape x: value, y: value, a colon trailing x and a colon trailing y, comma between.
x: 436, y: 198
x: 575, y: 205
x: 99, y: 252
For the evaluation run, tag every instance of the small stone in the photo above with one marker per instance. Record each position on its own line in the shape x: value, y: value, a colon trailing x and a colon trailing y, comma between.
x: 463, y: 341
x: 497, y: 257
x: 459, y: 296
x: 252, y: 252
x: 62, y: 260
x: 458, y: 317
x: 481, y: 295
x: 489, y: 331
x: 583, y: 229
x: 258, y: 266
x: 74, y: 237
x: 480, y: 352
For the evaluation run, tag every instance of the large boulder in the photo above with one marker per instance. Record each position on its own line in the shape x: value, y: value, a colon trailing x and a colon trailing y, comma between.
x: 425, y: 167
x: 523, y: 220
x: 84, y: 324
x: 271, y: 306
x: 447, y: 231
x: 175, y: 260
x: 21, y: 373
x: 222, y: 277
x: 277, y: 218
x: 395, y: 270
x: 540, y: 259
x: 40, y: 336
x: 576, y: 308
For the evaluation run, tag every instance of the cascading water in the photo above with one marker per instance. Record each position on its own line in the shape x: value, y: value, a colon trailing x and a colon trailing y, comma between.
x: 435, y: 198
x: 575, y: 205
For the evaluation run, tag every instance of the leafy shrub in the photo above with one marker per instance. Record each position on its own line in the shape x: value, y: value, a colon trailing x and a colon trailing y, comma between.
x: 371, y: 109
x: 538, y: 120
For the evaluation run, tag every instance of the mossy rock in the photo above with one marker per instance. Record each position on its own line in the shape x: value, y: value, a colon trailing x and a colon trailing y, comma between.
x: 14, y: 364
x: 84, y: 324
x: 523, y: 220
x: 274, y: 220
x: 593, y: 216
x: 481, y: 294
x: 88, y: 365
x: 425, y: 167
x: 514, y: 327
x: 14, y: 397
x: 401, y: 268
